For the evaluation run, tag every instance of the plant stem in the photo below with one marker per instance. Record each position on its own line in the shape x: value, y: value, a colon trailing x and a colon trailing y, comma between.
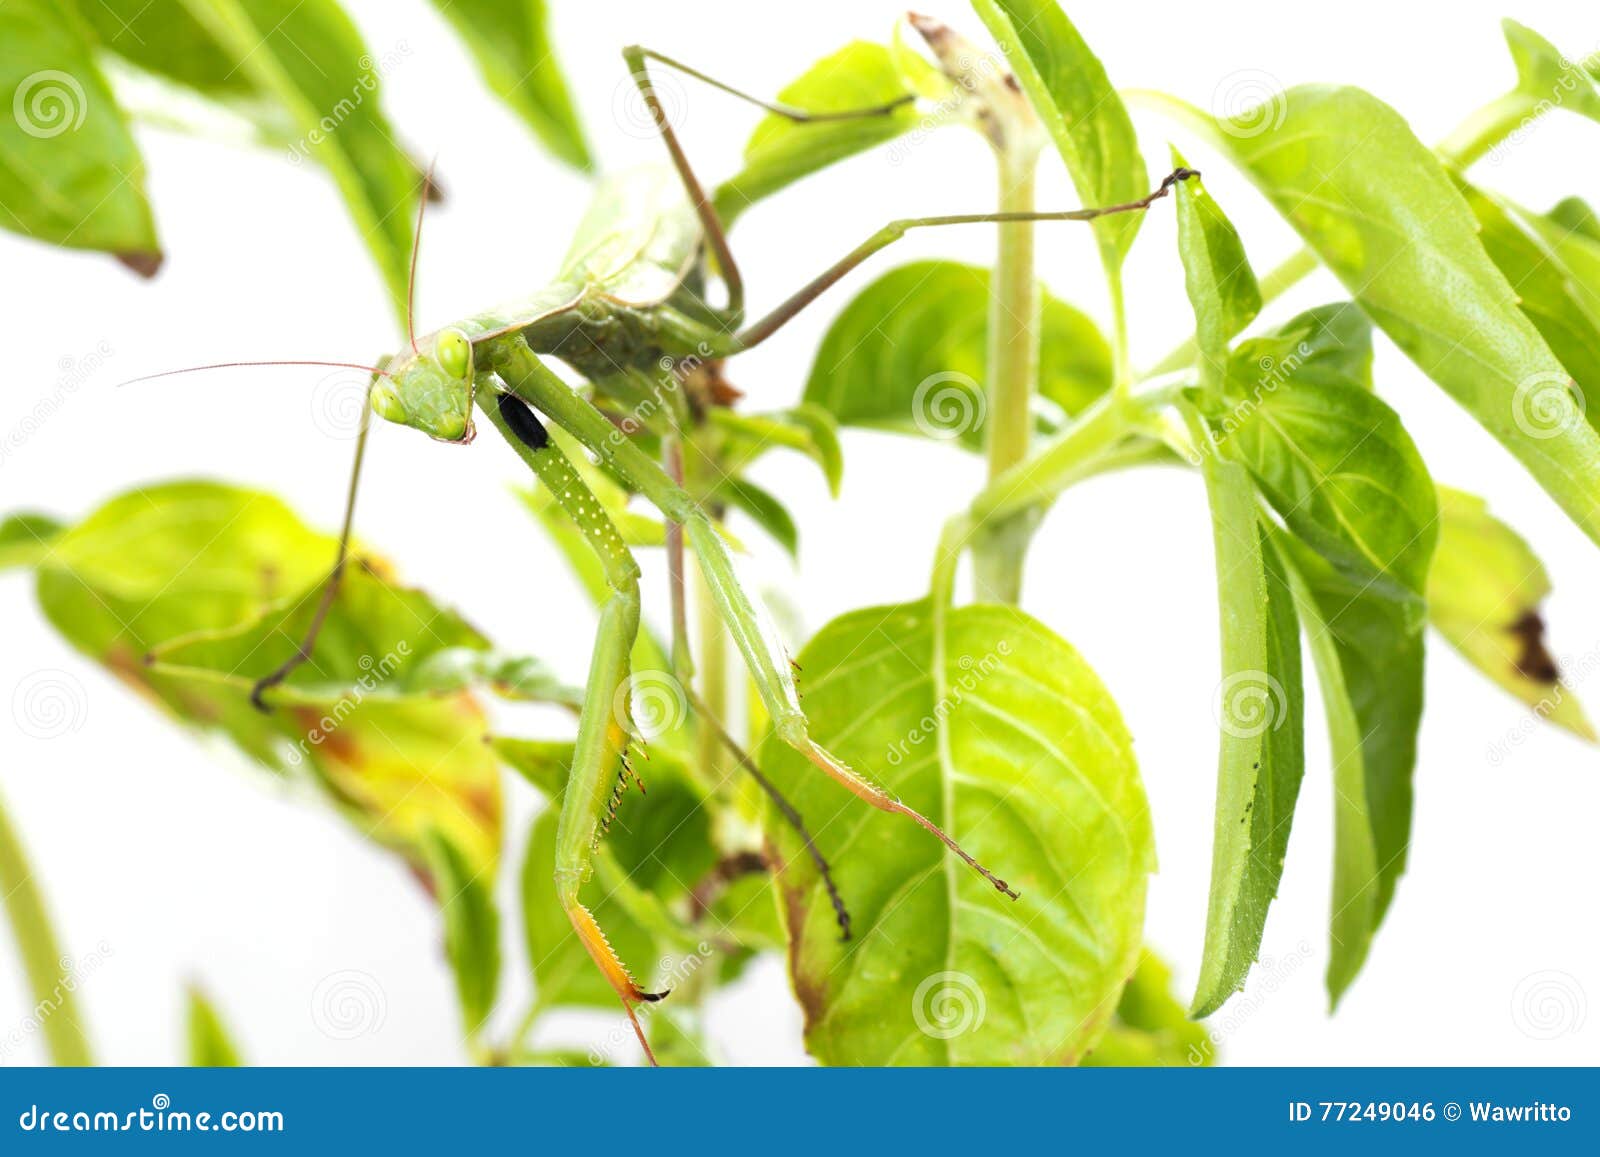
x: 1012, y: 370
x: 1487, y: 127
x: 702, y: 469
x: 49, y: 972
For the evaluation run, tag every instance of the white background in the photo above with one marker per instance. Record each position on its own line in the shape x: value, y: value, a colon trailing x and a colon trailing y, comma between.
x: 187, y: 864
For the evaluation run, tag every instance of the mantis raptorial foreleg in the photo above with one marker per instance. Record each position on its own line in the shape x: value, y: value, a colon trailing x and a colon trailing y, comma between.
x: 603, y: 736
x: 531, y: 380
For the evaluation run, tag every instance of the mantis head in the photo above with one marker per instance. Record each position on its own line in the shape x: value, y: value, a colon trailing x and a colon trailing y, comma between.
x: 431, y: 389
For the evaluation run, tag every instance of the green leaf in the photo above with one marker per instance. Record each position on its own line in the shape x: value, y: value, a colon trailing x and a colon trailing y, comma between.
x: 1338, y: 466
x: 517, y: 677
x: 210, y: 1044
x: 1152, y: 1027
x: 1573, y: 215
x: 50, y: 973
x: 542, y: 762
x: 1484, y: 595
x: 679, y: 1041
x: 1383, y: 214
x: 1261, y: 715
x: 70, y: 172
x: 997, y: 730
x: 1368, y: 655
x: 1229, y: 298
x: 909, y: 354
x: 1547, y: 76
x: 781, y: 151
x: 510, y: 39
x: 471, y: 928
x: 163, y: 38
x: 189, y: 591
x: 763, y: 508
x: 1328, y: 345
x: 807, y: 428
x: 1078, y: 105
x: 1550, y: 286
x: 25, y: 539
x: 310, y: 59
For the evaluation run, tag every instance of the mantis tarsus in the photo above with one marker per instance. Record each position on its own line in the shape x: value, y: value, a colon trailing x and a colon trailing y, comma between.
x: 630, y: 300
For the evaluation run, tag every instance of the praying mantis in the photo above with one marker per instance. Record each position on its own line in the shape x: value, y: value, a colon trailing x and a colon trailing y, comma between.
x: 629, y: 312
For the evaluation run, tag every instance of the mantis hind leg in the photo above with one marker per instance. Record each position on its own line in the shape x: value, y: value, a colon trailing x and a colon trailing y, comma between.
x: 716, y: 234
x: 330, y: 585
x: 599, y: 761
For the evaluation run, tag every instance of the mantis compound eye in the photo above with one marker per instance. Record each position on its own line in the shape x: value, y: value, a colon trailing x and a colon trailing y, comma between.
x: 454, y: 352
x: 386, y: 403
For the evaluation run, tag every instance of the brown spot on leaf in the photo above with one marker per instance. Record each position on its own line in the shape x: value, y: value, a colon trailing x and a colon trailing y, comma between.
x: 337, y: 743
x: 1533, y: 660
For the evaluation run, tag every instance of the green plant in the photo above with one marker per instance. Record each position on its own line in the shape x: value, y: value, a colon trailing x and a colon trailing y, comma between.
x: 977, y: 719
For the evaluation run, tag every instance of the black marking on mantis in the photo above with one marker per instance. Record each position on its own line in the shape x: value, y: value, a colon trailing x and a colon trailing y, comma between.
x: 627, y: 302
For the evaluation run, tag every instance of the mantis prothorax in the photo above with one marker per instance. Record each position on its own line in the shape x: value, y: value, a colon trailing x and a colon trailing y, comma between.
x: 629, y: 301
